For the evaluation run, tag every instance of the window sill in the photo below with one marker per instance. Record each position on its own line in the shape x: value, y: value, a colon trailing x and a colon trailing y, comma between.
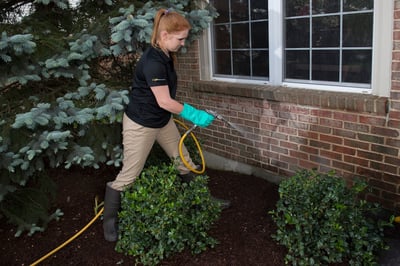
x: 352, y: 102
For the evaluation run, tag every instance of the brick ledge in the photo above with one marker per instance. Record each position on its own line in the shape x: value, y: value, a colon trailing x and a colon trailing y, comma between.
x: 353, y: 102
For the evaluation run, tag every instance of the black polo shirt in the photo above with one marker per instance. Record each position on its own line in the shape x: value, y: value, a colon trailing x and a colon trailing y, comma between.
x: 153, y: 69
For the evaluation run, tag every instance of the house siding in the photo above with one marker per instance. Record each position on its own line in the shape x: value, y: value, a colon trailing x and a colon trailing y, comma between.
x: 287, y: 129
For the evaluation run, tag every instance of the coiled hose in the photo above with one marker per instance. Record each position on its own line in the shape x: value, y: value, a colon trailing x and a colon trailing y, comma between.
x: 181, y: 142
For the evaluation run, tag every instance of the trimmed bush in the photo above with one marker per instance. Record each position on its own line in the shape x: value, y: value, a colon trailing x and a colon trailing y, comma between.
x: 161, y: 215
x: 321, y: 221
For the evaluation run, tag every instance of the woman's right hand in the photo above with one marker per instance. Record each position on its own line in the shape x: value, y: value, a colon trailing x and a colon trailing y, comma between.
x: 198, y: 117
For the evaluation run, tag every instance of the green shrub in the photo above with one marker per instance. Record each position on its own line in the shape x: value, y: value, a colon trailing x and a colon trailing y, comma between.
x: 320, y: 221
x: 161, y: 216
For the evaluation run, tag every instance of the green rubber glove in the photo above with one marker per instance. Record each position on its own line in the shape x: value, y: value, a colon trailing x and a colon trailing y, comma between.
x: 197, y: 117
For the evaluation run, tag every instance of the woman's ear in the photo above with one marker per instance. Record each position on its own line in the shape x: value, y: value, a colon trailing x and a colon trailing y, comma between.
x: 163, y: 35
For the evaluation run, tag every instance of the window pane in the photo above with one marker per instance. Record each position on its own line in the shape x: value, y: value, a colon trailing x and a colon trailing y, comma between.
x: 259, y: 9
x: 297, y: 65
x: 240, y: 35
x: 241, y: 63
x: 222, y: 63
x: 325, y: 7
x: 297, y: 8
x: 357, y: 5
x: 357, y: 30
x: 297, y: 33
x: 357, y: 66
x: 260, y: 63
x: 259, y: 34
x: 222, y: 37
x: 240, y: 40
x: 325, y: 65
x: 240, y: 10
x: 326, y: 31
x: 222, y: 7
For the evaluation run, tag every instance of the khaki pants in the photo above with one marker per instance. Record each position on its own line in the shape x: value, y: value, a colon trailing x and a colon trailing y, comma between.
x: 138, y: 141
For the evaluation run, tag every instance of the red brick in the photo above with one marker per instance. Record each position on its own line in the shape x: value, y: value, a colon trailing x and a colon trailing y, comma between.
x: 385, y: 150
x: 356, y: 161
x: 289, y: 145
x: 394, y: 115
x: 321, y: 129
x: 368, y: 172
x: 343, y: 150
x: 393, y: 142
x: 356, y: 144
x: 383, y: 185
x: 320, y: 144
x: 370, y: 155
x: 394, y: 123
x: 394, y: 179
x: 308, y: 149
x: 370, y: 120
x: 289, y: 159
x: 331, y: 155
x: 299, y: 155
x: 307, y: 134
x: 371, y: 138
x: 331, y: 123
x: 298, y: 140
x: 322, y: 113
x: 308, y: 165
x: 320, y: 160
x: 393, y: 161
x: 343, y: 166
x: 330, y: 139
x: 344, y: 133
x: 383, y: 167
x: 345, y: 117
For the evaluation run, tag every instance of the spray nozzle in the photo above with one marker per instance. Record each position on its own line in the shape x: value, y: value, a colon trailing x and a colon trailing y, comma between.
x: 215, y: 114
x: 218, y: 116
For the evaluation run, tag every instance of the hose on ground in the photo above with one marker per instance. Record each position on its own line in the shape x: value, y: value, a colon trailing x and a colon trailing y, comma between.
x: 97, y: 206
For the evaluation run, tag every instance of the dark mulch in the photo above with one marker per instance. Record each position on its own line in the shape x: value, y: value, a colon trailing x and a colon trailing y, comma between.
x: 243, y: 231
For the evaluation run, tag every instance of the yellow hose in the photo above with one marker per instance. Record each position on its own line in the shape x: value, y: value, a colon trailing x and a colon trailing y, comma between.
x: 188, y: 131
x: 69, y: 240
x: 181, y: 141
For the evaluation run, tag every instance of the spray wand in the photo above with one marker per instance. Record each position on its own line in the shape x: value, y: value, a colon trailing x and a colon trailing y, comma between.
x: 189, y: 132
x: 226, y: 121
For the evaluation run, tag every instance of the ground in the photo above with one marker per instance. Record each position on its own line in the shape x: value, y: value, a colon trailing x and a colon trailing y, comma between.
x: 243, y: 231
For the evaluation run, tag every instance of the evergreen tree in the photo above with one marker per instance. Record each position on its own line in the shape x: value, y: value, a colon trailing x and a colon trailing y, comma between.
x: 64, y: 78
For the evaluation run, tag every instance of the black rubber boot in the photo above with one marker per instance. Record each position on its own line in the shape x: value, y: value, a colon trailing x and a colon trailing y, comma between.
x: 112, y: 203
x: 187, y: 178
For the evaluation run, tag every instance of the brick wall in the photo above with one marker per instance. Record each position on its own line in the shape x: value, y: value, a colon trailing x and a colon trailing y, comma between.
x: 288, y: 129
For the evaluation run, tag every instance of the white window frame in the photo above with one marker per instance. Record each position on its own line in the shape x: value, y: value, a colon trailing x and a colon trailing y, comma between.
x: 381, y: 54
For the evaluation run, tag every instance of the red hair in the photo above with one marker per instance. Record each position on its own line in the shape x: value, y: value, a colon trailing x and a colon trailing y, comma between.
x: 170, y: 21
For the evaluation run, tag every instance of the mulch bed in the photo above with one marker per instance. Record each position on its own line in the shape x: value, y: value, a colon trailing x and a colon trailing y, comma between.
x: 243, y: 231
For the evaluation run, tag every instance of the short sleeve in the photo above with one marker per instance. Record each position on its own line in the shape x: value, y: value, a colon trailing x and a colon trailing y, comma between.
x: 155, y: 73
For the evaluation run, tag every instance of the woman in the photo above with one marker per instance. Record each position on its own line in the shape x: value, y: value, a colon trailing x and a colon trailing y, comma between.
x: 148, y: 116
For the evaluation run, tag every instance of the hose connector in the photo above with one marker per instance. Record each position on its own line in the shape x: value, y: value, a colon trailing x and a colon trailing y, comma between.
x: 215, y: 114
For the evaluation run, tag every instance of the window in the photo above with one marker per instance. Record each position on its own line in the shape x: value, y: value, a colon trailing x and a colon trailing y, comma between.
x: 241, y: 39
x: 325, y: 44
